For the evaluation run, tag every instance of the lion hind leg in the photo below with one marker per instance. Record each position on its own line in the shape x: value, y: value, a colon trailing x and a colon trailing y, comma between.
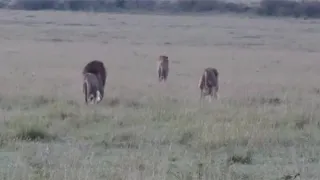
x: 85, y: 91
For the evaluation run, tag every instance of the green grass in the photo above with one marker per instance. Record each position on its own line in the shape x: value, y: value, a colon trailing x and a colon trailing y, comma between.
x: 160, y: 140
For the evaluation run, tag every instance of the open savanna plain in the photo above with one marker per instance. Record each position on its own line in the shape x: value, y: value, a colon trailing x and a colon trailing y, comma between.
x: 265, y: 124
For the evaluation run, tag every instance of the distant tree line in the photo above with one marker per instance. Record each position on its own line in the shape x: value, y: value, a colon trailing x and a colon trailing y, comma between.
x: 303, y: 8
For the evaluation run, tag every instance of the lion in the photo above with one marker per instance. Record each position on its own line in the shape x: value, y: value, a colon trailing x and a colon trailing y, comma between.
x: 208, y: 83
x: 92, y: 88
x: 97, y: 68
x: 163, y: 68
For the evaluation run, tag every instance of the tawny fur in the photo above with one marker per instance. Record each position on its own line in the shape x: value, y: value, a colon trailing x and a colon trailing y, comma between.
x: 209, y: 83
x: 92, y: 88
x: 97, y: 68
x: 163, y: 68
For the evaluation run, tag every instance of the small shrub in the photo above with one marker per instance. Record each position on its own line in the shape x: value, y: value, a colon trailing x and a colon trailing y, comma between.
x: 265, y: 100
x: 126, y: 140
x: 186, y: 138
x: 290, y: 177
x: 114, y: 102
x: 33, y: 134
x: 241, y: 159
x: 134, y: 104
x: 41, y: 101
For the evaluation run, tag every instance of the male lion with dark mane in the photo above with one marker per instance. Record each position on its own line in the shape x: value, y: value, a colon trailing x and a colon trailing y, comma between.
x: 97, y: 69
x: 92, y: 88
x: 208, y: 83
x: 163, y: 68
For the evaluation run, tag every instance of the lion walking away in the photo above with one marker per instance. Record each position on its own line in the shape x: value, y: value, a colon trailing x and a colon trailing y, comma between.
x: 92, y: 88
x: 163, y: 68
x: 94, y: 75
x: 209, y: 83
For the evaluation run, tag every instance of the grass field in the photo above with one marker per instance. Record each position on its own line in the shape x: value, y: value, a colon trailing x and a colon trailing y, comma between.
x: 264, y: 126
